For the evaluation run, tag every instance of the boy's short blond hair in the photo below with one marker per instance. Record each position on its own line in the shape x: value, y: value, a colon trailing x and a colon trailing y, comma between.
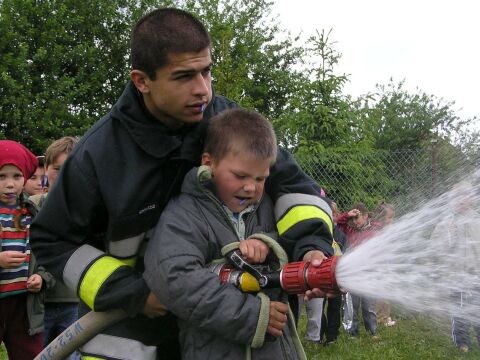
x: 240, y: 130
x: 63, y: 145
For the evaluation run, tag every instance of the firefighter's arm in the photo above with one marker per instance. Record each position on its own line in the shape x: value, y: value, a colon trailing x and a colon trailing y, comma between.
x: 304, y: 219
x: 61, y: 238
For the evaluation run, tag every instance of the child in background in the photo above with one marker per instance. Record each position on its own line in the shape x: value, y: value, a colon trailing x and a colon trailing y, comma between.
x: 21, y: 308
x: 331, y: 314
x: 460, y: 234
x: 222, y: 207
x: 384, y: 214
x: 61, y: 304
x: 324, y: 314
x: 358, y: 227
x: 35, y: 185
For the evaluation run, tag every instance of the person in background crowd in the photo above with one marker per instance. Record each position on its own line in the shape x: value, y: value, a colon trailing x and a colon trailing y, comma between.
x: 61, y: 303
x: 358, y: 227
x: 460, y: 234
x: 384, y: 214
x: 331, y: 314
x: 35, y: 185
x: 21, y: 281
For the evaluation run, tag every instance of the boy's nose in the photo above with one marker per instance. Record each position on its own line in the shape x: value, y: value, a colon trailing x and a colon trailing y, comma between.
x: 249, y: 187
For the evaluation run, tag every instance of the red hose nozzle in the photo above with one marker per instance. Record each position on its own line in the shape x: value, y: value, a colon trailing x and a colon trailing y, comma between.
x: 298, y: 277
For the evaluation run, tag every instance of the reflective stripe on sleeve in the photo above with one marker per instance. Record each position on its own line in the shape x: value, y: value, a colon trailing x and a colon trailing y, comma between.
x: 127, y: 247
x: 298, y: 214
x: 77, y: 263
x: 291, y: 209
x: 115, y: 347
x: 95, y: 276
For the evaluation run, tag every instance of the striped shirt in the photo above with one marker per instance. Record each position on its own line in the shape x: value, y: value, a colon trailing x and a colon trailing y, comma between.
x: 14, y: 281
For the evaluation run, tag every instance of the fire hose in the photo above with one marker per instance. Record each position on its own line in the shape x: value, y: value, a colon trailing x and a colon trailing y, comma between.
x: 293, y: 278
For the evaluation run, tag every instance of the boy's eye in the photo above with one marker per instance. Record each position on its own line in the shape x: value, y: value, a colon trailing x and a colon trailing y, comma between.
x: 238, y: 176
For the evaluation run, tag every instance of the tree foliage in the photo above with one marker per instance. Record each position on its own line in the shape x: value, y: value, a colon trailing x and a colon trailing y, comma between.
x: 63, y: 65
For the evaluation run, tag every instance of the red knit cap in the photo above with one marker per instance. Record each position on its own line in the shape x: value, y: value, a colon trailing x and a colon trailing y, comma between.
x: 16, y: 154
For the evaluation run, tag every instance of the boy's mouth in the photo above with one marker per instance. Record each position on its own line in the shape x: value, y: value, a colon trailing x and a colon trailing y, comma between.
x: 242, y: 200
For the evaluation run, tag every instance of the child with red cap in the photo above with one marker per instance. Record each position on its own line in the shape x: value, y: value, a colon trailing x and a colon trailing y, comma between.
x: 21, y: 309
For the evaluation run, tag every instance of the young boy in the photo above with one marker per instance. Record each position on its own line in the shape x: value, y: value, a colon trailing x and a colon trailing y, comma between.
x: 222, y: 204
x: 61, y: 303
x: 21, y: 307
x: 35, y: 184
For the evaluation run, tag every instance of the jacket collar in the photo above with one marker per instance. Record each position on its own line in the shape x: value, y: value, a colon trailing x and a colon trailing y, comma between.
x: 154, y: 137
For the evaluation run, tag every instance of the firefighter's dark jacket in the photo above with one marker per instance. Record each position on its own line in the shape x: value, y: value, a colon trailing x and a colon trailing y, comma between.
x: 113, y: 187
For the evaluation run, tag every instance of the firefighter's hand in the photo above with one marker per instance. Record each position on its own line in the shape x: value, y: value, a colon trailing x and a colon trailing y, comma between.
x: 278, y: 318
x: 315, y: 257
x: 11, y: 259
x: 153, y: 307
x: 34, y: 283
x: 254, y: 251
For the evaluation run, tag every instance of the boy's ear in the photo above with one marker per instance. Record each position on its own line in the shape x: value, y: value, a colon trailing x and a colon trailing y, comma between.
x: 140, y: 80
x: 206, y: 159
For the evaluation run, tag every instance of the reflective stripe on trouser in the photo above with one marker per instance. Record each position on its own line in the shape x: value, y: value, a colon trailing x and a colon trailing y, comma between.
x: 291, y: 209
x: 113, y: 347
x: 160, y: 333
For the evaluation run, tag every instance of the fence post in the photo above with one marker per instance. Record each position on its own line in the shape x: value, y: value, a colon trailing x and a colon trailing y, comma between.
x: 434, y: 166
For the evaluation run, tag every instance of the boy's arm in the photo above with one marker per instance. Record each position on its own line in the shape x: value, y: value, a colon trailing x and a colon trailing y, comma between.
x: 62, y: 242
x: 304, y: 219
x: 176, y: 271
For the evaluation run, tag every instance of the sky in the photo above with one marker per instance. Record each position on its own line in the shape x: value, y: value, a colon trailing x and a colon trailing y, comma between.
x: 432, y: 44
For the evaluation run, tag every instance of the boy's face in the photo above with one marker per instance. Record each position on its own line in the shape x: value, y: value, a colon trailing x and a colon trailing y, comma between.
x: 182, y: 88
x: 11, y: 184
x: 239, y: 179
x: 360, y: 220
x: 33, y: 186
x: 53, y: 169
x: 389, y: 215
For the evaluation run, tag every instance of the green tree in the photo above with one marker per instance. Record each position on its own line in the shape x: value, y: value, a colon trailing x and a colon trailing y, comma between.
x: 63, y: 65
x: 398, y: 119
x: 321, y: 116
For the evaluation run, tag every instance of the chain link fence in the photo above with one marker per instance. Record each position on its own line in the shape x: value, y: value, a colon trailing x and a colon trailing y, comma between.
x: 405, y: 179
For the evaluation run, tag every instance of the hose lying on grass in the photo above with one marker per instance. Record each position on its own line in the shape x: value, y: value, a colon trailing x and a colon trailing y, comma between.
x: 79, y: 333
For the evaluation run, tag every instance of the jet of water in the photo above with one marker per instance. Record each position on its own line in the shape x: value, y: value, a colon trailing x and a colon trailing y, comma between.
x: 425, y: 259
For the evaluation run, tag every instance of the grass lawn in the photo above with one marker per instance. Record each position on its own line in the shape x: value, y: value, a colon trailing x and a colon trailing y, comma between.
x: 413, y: 338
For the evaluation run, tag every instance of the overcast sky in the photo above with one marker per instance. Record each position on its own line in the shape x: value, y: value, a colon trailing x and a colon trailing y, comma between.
x: 433, y: 44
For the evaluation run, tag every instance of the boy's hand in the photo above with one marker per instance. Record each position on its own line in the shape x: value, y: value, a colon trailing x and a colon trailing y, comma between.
x: 34, y: 283
x: 11, y: 259
x: 254, y: 251
x: 153, y: 307
x: 353, y: 213
x: 278, y: 318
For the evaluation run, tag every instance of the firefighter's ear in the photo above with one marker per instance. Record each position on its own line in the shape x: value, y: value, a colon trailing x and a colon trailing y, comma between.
x: 140, y: 80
